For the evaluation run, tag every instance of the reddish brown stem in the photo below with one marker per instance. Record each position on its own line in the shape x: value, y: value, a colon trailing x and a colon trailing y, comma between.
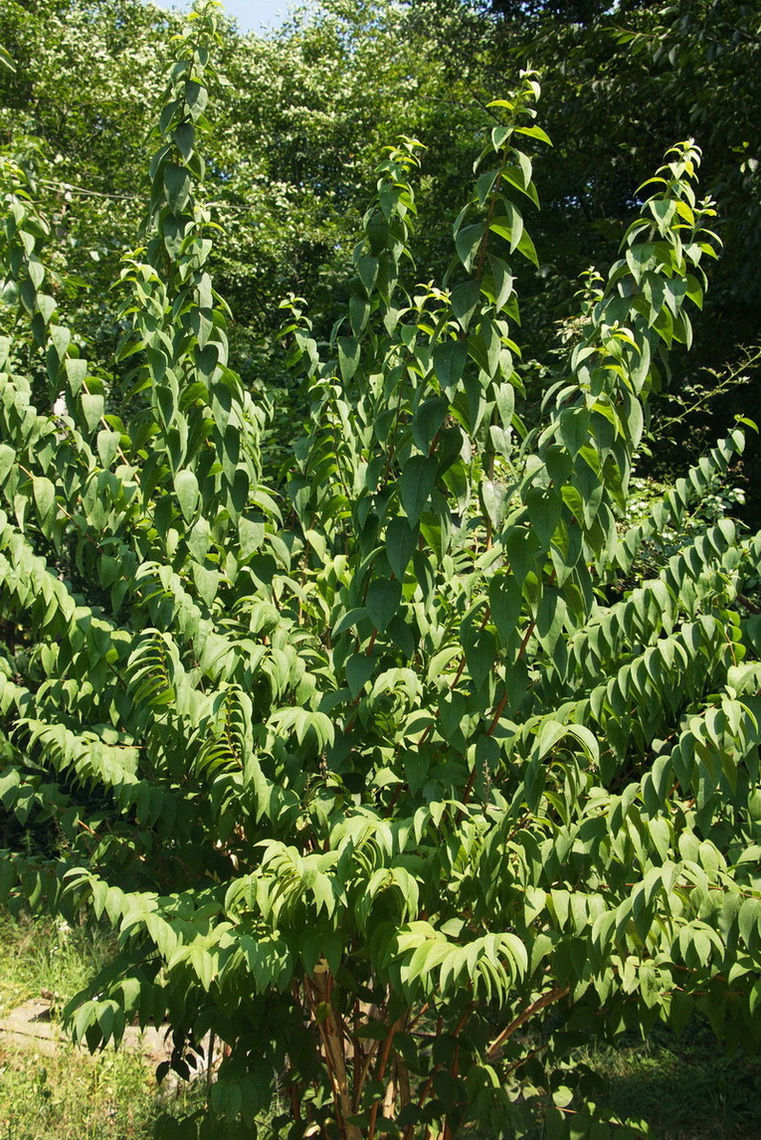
x: 535, y: 1007
x: 381, y: 1073
x: 409, y: 1130
x: 331, y: 1037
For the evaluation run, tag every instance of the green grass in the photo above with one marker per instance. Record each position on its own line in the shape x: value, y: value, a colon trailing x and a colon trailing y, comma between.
x: 686, y: 1088
x: 43, y: 955
x: 69, y: 1095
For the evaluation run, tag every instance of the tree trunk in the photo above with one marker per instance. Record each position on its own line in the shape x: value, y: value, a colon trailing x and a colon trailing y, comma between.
x: 335, y: 1056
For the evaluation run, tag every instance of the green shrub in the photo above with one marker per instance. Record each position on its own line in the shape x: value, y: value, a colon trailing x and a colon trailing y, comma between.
x: 370, y: 775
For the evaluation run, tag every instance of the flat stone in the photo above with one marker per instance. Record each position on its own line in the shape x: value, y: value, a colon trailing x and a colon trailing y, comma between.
x: 31, y: 1026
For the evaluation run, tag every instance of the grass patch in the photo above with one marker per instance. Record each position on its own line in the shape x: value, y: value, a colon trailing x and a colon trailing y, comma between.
x: 69, y: 1095
x: 42, y: 956
x: 686, y: 1088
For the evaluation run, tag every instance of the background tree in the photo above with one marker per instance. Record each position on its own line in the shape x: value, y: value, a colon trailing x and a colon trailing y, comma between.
x: 301, y: 117
x: 618, y: 86
x: 74, y: 63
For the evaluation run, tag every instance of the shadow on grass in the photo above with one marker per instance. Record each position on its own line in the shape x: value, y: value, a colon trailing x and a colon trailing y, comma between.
x: 686, y: 1088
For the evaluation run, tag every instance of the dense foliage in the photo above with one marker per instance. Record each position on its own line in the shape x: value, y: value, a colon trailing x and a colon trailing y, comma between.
x: 397, y: 775
x: 302, y: 113
x: 300, y: 118
x: 620, y: 82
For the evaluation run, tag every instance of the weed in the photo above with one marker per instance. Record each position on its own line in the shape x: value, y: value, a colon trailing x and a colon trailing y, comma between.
x: 70, y: 1096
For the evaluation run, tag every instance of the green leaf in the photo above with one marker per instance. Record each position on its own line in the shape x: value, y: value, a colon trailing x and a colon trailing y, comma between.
x: 44, y: 496
x: 60, y: 339
x: 46, y: 307
x: 251, y: 533
x: 528, y: 249
x: 544, y: 508
x: 481, y: 655
x: 350, y: 619
x: 558, y: 463
x: 76, y: 373
x: 505, y: 602
x: 6, y: 62
x: 535, y: 133
x: 198, y: 539
x: 108, y: 446
x: 7, y: 461
x: 417, y: 481
x: 494, y: 499
x: 522, y: 548
x: 206, y: 582
x: 573, y: 427
x: 359, y: 670
x: 509, y: 226
x: 348, y: 357
x: 449, y: 363
x: 184, y: 139
x: 359, y: 312
x: 177, y: 186
x: 401, y: 542
x: 382, y: 601
x: 196, y: 98
x: 505, y: 400
x: 367, y: 268
x: 186, y: 489
x: 465, y: 298
x: 93, y: 407
x: 503, y: 280
x: 468, y: 241
x: 427, y: 421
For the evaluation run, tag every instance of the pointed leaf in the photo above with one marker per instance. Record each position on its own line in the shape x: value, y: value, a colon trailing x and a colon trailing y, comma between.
x: 382, y: 601
x: 416, y: 484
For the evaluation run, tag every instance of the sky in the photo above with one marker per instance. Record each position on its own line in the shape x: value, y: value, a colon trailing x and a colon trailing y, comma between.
x: 252, y: 15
